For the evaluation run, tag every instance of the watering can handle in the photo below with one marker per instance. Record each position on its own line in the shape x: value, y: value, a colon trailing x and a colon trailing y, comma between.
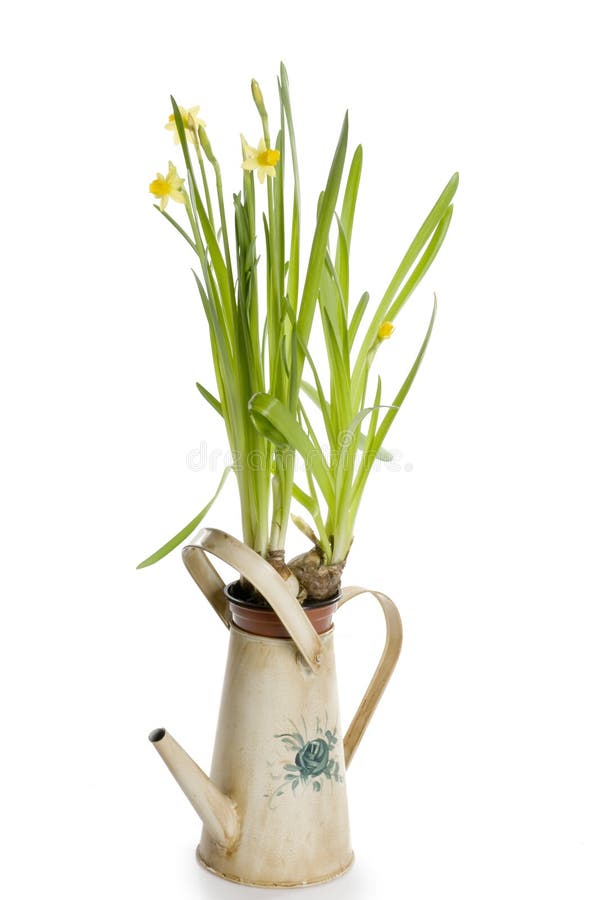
x: 261, y: 575
x: 388, y: 660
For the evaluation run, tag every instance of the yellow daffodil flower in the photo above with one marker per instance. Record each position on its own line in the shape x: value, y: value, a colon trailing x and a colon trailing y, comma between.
x: 385, y: 331
x: 165, y: 187
x: 262, y: 159
x: 191, y: 122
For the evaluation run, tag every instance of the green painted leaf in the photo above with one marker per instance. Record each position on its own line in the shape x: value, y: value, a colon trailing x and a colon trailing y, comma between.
x: 294, y: 735
x: 317, y: 786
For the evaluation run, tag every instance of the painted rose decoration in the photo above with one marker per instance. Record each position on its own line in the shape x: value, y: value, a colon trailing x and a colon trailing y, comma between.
x: 313, y: 760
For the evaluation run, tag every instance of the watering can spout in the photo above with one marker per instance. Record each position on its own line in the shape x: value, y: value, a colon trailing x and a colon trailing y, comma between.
x: 216, y: 810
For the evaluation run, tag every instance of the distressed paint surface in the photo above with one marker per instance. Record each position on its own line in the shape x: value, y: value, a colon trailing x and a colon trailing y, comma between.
x: 302, y: 836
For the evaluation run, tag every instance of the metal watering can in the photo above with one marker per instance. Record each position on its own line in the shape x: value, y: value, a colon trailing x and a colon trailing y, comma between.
x: 274, y: 809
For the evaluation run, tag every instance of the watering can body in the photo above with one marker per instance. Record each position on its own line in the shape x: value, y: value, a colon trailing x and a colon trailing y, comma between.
x: 275, y: 806
x: 279, y: 756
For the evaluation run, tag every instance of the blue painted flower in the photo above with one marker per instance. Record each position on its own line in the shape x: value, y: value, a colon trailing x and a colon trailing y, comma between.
x: 312, y: 759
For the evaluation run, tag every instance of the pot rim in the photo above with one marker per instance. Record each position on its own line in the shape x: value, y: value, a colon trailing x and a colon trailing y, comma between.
x: 247, y: 604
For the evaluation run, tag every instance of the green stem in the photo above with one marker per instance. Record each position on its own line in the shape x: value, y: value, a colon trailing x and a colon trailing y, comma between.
x: 206, y: 187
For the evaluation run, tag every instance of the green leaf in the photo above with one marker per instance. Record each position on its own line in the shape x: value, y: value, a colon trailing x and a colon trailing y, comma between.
x: 340, y: 377
x: 176, y: 225
x: 422, y: 237
x: 433, y: 231
x: 322, y: 403
x: 423, y: 264
x: 341, y: 265
x: 346, y: 221
x: 320, y: 240
x: 221, y: 269
x: 406, y: 386
x: 274, y: 420
x: 381, y: 453
x: 357, y: 317
x: 316, y: 397
x: 293, y: 271
x: 214, y: 403
x: 267, y: 429
x: 304, y: 499
x: 367, y: 461
x: 374, y: 419
x: 351, y: 191
x: 186, y: 531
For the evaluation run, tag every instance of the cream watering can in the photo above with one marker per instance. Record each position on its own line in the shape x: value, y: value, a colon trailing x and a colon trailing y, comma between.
x: 275, y: 806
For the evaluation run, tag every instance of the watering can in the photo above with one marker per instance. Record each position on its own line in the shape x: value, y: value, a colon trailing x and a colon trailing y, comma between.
x: 274, y: 808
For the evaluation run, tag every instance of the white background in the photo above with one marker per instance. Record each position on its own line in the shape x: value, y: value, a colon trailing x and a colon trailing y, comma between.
x: 478, y: 776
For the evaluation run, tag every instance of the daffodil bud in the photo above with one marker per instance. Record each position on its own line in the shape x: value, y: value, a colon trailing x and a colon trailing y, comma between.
x: 258, y: 97
x: 205, y: 145
x: 385, y: 331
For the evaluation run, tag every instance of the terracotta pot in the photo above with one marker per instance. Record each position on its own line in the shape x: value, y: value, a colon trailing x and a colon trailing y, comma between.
x: 260, y: 618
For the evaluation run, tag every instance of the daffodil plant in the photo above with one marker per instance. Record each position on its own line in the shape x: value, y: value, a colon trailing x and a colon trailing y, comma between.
x: 336, y: 480
x: 260, y: 316
x: 256, y: 348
